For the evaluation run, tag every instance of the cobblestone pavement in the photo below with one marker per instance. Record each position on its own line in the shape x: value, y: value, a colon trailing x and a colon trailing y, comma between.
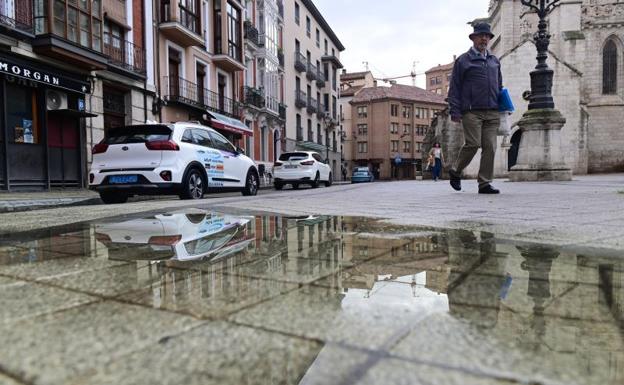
x: 307, y: 287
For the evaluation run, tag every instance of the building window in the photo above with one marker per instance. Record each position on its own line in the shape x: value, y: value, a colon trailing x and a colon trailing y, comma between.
x: 362, y: 129
x: 299, y: 128
x: 80, y: 22
x: 421, y: 129
x: 308, y: 26
x: 394, y: 128
x: 609, y: 68
x: 325, y: 46
x: 395, y: 145
x: 319, y: 134
x: 234, y: 38
x: 21, y: 114
x: 406, y: 128
x: 406, y: 147
x: 297, y: 17
x: 362, y: 112
x: 318, y: 38
x: 421, y: 113
x: 310, y: 133
x: 189, y: 15
x: 394, y: 110
x: 407, y: 111
x: 362, y: 147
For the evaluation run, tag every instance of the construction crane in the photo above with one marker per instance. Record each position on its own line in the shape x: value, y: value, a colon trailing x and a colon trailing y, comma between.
x: 413, y: 74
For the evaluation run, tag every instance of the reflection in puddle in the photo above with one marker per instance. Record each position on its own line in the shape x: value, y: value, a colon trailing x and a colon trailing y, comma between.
x: 550, y: 314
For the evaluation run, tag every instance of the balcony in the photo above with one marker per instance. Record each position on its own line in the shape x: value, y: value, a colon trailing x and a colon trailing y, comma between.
x: 300, y: 99
x: 282, y: 111
x: 16, y: 18
x: 124, y: 55
x: 179, y: 90
x: 300, y: 62
x: 254, y: 97
x: 320, y: 79
x: 311, y: 105
x: 320, y: 111
x: 272, y: 105
x: 181, y: 25
x: 311, y: 72
x: 251, y: 33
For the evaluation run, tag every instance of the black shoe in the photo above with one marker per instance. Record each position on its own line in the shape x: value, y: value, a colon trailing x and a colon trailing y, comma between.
x: 455, y: 180
x: 488, y: 190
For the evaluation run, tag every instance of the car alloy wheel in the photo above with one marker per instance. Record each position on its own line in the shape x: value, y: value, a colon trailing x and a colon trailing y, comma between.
x: 251, y: 184
x: 195, y: 185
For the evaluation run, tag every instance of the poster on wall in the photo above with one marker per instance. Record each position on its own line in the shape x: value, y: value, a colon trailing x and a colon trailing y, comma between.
x: 28, y: 133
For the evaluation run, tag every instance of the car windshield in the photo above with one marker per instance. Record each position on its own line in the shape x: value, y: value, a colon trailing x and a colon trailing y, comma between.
x: 138, y: 134
x: 293, y: 156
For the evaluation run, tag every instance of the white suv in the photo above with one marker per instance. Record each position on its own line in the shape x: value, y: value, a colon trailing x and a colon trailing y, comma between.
x: 299, y: 167
x: 181, y: 158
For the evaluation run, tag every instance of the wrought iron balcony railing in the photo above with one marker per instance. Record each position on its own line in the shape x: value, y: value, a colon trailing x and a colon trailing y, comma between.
x: 301, y: 99
x: 311, y: 105
x: 320, y: 79
x: 251, y: 32
x: 183, y: 91
x: 17, y: 14
x: 124, y: 54
x: 311, y: 71
x: 254, y: 97
x: 320, y: 111
x: 300, y: 62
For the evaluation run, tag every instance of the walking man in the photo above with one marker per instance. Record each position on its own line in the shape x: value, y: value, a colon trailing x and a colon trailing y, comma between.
x: 473, y: 101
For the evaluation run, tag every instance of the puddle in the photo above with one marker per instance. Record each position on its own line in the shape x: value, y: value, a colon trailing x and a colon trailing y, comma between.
x: 208, y: 296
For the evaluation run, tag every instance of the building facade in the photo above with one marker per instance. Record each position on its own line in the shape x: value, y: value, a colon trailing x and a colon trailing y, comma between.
x: 312, y: 60
x: 263, y: 79
x: 68, y: 71
x: 388, y: 128
x: 439, y: 78
x: 588, y: 87
x: 350, y: 85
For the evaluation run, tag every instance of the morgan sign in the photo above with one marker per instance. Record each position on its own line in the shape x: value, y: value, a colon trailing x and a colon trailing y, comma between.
x: 30, y: 72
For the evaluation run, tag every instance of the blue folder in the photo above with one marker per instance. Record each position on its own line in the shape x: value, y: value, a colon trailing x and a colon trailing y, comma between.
x: 504, y: 101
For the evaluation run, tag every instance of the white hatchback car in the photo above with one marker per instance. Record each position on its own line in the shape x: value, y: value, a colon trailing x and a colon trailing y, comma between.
x: 181, y: 158
x: 301, y: 167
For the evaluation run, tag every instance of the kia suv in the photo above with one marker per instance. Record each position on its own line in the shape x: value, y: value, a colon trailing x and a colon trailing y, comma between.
x: 301, y: 167
x: 186, y: 159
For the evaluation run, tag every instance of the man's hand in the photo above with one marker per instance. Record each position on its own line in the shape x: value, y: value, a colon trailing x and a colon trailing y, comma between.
x: 456, y: 119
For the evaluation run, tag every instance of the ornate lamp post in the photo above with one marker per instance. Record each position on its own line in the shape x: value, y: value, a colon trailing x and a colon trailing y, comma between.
x: 542, y: 77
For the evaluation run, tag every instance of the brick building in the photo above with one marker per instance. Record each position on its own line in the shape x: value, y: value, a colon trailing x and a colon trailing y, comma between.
x: 388, y: 128
x: 439, y: 78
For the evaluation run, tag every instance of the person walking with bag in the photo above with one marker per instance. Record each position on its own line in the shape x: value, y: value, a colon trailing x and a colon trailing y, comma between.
x: 436, y: 160
x: 473, y: 100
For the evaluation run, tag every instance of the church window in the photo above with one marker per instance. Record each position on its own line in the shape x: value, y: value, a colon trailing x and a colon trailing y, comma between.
x: 609, y: 68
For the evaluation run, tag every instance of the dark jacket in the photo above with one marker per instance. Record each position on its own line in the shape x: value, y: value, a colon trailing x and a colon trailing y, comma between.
x: 475, y: 83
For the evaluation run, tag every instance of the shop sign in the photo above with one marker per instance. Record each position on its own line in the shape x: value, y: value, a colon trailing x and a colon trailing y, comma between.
x: 46, y: 77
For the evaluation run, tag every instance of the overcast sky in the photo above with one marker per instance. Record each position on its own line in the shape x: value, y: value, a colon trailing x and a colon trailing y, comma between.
x: 391, y: 34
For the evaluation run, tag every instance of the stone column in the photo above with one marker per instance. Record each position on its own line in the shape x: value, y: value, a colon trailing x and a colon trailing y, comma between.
x: 539, y: 155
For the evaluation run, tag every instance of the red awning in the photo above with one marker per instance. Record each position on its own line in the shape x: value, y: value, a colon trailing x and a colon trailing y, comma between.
x: 226, y: 123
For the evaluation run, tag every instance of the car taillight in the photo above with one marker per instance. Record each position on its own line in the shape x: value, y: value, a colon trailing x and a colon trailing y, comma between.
x: 164, y: 240
x: 162, y: 145
x: 277, y: 164
x: 307, y: 163
x: 99, y: 148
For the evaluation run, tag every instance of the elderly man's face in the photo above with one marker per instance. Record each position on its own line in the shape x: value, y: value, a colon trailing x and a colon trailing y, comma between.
x: 481, y: 41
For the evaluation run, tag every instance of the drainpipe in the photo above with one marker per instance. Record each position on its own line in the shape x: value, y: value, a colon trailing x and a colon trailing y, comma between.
x: 157, y: 57
x: 144, y: 62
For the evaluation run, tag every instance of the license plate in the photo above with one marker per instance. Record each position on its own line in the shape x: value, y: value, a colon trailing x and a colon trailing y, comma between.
x: 290, y: 166
x: 122, y: 179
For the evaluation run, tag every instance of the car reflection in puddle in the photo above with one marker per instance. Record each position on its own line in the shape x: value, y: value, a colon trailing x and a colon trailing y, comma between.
x: 330, y: 299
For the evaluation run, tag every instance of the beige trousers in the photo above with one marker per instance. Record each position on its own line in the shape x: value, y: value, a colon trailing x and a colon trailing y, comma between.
x: 480, y: 128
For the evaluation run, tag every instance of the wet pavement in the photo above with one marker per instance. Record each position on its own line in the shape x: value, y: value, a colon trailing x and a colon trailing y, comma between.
x: 204, y: 297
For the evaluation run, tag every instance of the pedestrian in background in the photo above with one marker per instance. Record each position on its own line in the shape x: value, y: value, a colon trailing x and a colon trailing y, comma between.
x: 437, y: 160
x: 473, y: 100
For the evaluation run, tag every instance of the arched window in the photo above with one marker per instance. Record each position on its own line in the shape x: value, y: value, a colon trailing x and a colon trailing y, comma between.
x: 609, y: 68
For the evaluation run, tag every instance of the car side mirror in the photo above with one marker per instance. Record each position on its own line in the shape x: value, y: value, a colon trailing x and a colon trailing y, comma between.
x: 240, y: 150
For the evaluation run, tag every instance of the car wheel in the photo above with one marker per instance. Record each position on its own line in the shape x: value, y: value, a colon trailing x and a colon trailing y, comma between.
x: 295, y: 186
x: 317, y: 179
x: 278, y: 185
x: 329, y: 181
x: 111, y: 197
x: 193, y: 185
x: 251, y: 184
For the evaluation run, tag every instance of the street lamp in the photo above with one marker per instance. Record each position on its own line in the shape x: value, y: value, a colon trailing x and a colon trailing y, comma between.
x: 542, y: 77
x: 327, y: 122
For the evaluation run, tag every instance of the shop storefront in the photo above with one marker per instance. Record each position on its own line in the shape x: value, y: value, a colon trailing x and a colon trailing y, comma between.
x: 42, y: 126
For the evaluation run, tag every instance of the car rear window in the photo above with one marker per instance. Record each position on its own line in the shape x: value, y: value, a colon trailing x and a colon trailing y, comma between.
x: 361, y: 169
x: 293, y: 156
x: 138, y: 134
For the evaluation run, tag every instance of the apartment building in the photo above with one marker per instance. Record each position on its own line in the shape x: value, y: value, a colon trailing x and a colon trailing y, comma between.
x: 439, y: 78
x: 312, y: 60
x: 69, y: 70
x: 263, y: 80
x: 350, y: 85
x: 199, y: 53
x: 389, y: 125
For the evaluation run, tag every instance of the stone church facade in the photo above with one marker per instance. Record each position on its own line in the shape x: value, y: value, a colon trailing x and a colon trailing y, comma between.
x: 587, y: 55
